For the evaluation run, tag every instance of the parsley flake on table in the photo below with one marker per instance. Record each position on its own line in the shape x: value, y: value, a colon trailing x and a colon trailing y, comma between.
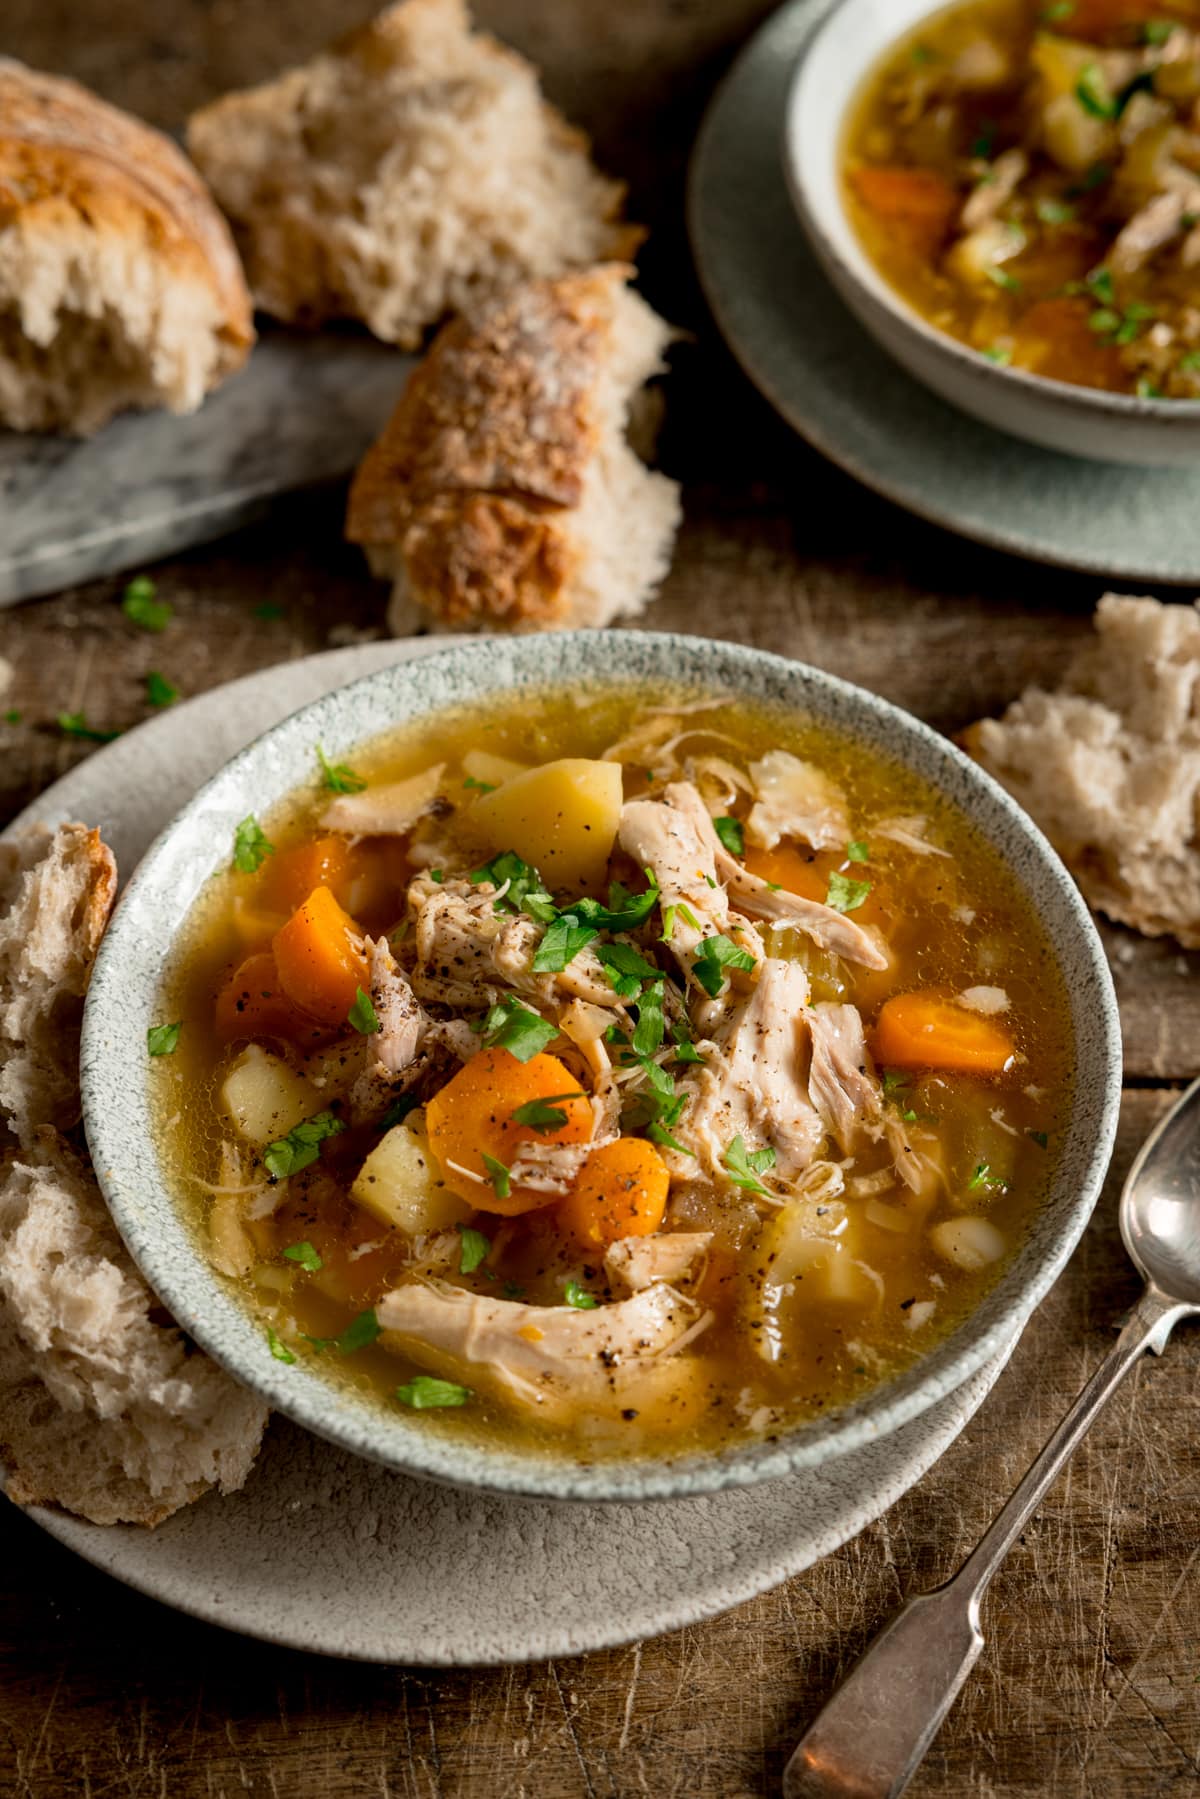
x: 301, y: 1147
x: 160, y: 691
x: 268, y: 609
x: 845, y: 895
x: 545, y: 1114
x: 251, y: 846
x: 362, y: 1014
x: 74, y: 724
x: 338, y: 777
x: 498, y: 1174
x: 576, y: 1296
x: 744, y: 1166
x: 142, y: 609
x: 474, y: 1248
x: 713, y: 957
x: 163, y: 1039
x: 13, y: 715
x: 424, y: 1393
x: 278, y: 1347
x: 510, y: 1025
x: 305, y: 1255
x: 732, y: 835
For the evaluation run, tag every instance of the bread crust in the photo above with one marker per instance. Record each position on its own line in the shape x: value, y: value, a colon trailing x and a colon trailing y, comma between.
x: 69, y: 162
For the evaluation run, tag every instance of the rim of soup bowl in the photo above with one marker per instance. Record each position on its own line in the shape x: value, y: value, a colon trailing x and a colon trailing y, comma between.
x: 821, y: 209
x: 135, y: 952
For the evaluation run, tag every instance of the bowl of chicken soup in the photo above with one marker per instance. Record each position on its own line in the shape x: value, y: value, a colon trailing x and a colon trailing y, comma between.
x: 1007, y: 195
x: 601, y: 1067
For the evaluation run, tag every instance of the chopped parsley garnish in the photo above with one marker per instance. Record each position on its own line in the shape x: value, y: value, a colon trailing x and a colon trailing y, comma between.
x: 894, y: 1082
x: 512, y: 1026
x: 338, y: 776
x: 920, y: 54
x: 1039, y: 1137
x: 1093, y: 93
x: 359, y: 1333
x: 626, y: 968
x: 163, y: 1039
x: 545, y: 1114
x: 278, y: 1347
x: 858, y: 851
x: 984, y: 1181
x: 362, y: 1014
x: 745, y: 1165
x: 160, y: 691
x: 658, y: 1133
x: 681, y: 1037
x: 1100, y: 285
x: 1147, y: 389
x: 713, y: 957
x: 1095, y: 177
x: 471, y: 785
x: 438, y: 875
x: 679, y: 910
x: 732, y: 835
x: 563, y: 941
x: 306, y: 1255
x: 998, y: 354
x: 74, y: 724
x: 1120, y: 327
x: 398, y: 1111
x: 498, y: 1174
x: 142, y: 609
x: 985, y: 143
x: 1059, y: 10
x: 425, y: 1393
x: 651, y: 1025
x: 1189, y: 362
x: 1001, y: 278
x: 1053, y: 212
x: 1157, y: 31
x: 512, y: 1290
x: 523, y: 887
x: 301, y: 1147
x: 575, y: 1296
x: 474, y: 1249
x: 251, y: 846
x: 625, y: 911
x: 845, y: 895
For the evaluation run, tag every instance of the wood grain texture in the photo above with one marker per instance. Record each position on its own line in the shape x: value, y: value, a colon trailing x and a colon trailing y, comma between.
x: 1091, y: 1681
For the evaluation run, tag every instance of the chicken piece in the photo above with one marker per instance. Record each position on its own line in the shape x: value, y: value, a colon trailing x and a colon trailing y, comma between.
x: 401, y: 1018
x: 553, y: 1358
x: 1157, y: 224
x: 908, y: 831
x: 795, y: 799
x: 389, y: 811
x: 842, y: 1084
x: 638, y: 1262
x: 468, y: 953
x: 830, y: 930
x: 665, y: 838
x: 997, y: 188
x: 752, y: 1083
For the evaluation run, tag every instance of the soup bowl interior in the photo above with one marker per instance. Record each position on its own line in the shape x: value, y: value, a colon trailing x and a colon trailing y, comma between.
x: 124, y: 1000
x: 1080, y: 421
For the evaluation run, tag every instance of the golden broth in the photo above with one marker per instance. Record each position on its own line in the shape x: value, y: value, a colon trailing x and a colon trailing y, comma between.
x: 951, y: 921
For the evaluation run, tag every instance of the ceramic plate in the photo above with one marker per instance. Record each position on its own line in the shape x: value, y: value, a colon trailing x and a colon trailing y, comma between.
x: 830, y: 380
x: 324, y: 1552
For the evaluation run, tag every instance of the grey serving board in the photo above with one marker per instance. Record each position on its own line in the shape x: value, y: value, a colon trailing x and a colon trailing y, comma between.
x: 302, y: 411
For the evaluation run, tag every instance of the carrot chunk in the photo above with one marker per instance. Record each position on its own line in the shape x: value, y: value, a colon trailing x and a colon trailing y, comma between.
x: 252, y: 1003
x: 925, y: 1030
x: 621, y: 1192
x: 490, y: 1108
x: 915, y: 205
x: 320, y: 966
x: 290, y: 876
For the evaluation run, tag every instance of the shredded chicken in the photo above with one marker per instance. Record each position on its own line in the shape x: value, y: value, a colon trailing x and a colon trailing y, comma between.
x: 638, y: 1262
x: 389, y: 811
x: 401, y: 1019
x: 842, y: 1084
x: 795, y: 799
x: 989, y: 199
x: 660, y: 836
x: 468, y: 953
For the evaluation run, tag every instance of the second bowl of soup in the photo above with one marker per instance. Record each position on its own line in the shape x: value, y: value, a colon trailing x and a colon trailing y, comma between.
x: 600, y: 1087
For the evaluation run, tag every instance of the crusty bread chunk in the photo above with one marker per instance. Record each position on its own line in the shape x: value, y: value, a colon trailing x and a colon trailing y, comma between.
x: 119, y: 283
x: 503, y: 492
x: 1110, y: 765
x: 105, y: 1408
x: 406, y: 171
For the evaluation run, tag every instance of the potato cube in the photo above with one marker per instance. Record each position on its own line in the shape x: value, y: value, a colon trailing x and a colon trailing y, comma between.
x: 400, y: 1185
x: 562, y: 818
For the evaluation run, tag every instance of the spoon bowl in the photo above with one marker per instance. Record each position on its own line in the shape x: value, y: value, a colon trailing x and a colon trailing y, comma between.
x: 1160, y: 1203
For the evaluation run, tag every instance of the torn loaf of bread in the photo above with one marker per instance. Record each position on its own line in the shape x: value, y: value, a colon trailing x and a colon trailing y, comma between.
x: 105, y: 1407
x: 1109, y: 765
x: 504, y: 492
x: 408, y: 170
x: 119, y: 282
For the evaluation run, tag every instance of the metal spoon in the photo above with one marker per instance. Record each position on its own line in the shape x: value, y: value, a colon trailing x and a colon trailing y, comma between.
x: 870, y: 1738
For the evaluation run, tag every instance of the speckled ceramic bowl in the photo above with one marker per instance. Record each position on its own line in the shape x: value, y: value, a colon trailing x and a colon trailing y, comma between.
x: 1082, y: 421
x: 122, y: 1003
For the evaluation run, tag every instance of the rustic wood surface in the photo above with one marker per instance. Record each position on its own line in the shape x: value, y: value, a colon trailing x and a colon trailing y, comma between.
x: 1091, y: 1680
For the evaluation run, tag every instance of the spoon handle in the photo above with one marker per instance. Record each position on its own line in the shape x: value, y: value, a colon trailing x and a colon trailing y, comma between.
x: 871, y: 1736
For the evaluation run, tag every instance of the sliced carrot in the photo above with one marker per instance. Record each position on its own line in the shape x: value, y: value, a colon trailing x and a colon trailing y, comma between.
x: 926, y: 1030
x: 290, y: 876
x: 621, y: 1192
x: 252, y: 1004
x: 320, y: 966
x: 1054, y: 338
x: 473, y: 1116
x: 915, y: 205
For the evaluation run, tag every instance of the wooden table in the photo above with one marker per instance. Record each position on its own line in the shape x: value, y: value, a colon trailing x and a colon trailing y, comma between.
x: 1091, y: 1681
